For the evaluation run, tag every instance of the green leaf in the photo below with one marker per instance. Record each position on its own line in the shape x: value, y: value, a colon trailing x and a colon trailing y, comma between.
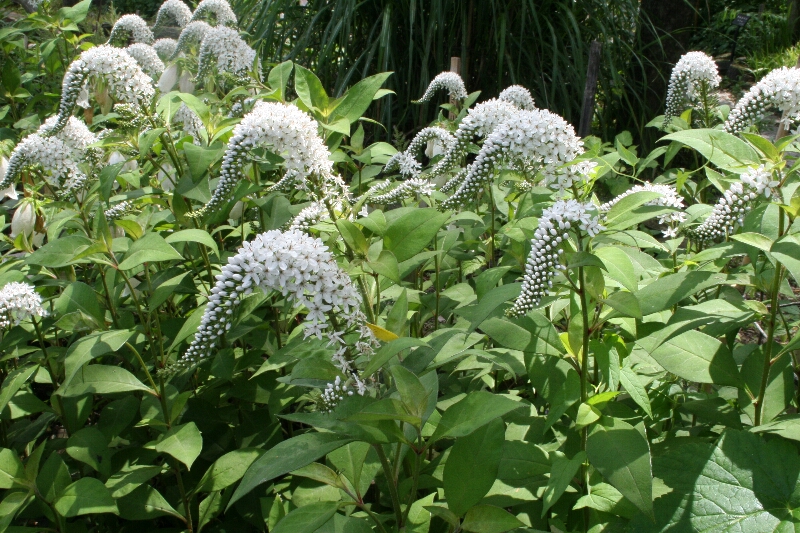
x: 129, y: 478
x: 145, y: 503
x: 489, y: 519
x: 386, y: 265
x: 419, y: 518
x: 209, y: 508
x: 488, y: 303
x: 473, y: 411
x: 307, y: 519
x: 412, y: 391
x: 228, y: 469
x: 741, y: 483
x: 286, y: 456
x: 724, y: 150
x: 76, y: 13
x: 183, y: 442
x: 787, y: 426
x: 151, y: 248
x: 90, y: 347
x: 466, y: 481
x: 604, y: 497
x: 698, y: 357
x: 630, y: 202
x: 352, y: 236
x: 715, y: 410
x: 13, y: 382
x: 633, y: 386
x: 625, y: 304
x: 103, y: 379
x: 58, y: 253
x: 530, y: 333
x: 411, y: 232
x: 756, y: 240
x: 619, y: 266
x: 194, y: 235
x: 561, y: 473
x: 278, y: 78
x: 787, y: 251
x: 397, y: 318
x: 358, y: 98
x: 11, y: 469
x: 201, y: 158
x: 587, y: 415
x: 88, y: 445
x: 88, y: 495
x: 667, y: 291
x: 309, y: 89
x: 622, y: 455
x: 388, y: 351
x: 79, y: 297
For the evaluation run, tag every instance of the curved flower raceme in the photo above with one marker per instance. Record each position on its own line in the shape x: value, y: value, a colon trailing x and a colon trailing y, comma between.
x: 191, y: 36
x: 389, y: 192
x: 519, y: 96
x: 165, y: 48
x: 780, y: 88
x: 309, y: 216
x: 532, y: 140
x: 224, y: 48
x: 173, y: 13
x: 289, y: 133
x: 216, y: 12
x: 669, y: 198
x: 190, y: 121
x: 693, y: 72
x: 449, y: 81
x: 546, y: 248
x: 130, y: 29
x: 126, y: 81
x: 147, y: 58
x: 18, y: 302
x: 119, y: 210
x: 406, y: 161
x: 302, y: 269
x: 730, y: 210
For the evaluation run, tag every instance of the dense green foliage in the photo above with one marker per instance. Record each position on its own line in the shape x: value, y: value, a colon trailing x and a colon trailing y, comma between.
x: 652, y: 388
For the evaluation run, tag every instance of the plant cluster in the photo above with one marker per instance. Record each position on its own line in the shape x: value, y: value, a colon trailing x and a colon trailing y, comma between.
x: 223, y: 308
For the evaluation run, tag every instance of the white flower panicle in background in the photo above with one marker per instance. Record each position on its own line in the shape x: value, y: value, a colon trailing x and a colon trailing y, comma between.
x: 546, y: 248
x: 289, y: 133
x: 173, y: 13
x: 519, y: 96
x: 302, y: 269
x: 74, y: 133
x: 125, y: 80
x: 780, y: 88
x: 536, y: 139
x: 165, y: 48
x: 190, y: 122
x: 730, y: 210
x: 119, y: 210
x: 147, y: 58
x: 309, y: 216
x: 669, y: 198
x: 692, y: 73
x: 130, y: 28
x: 191, y: 36
x: 407, y: 159
x: 216, y: 12
x: 405, y: 163
x: 18, y: 302
x: 224, y: 48
x: 480, y: 121
x: 449, y: 81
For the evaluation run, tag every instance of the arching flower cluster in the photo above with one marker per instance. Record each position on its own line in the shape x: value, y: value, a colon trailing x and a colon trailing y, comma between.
x: 449, y: 81
x: 407, y: 162
x: 780, y: 88
x: 125, y: 80
x: 165, y: 48
x: 224, y: 48
x: 290, y: 133
x: 669, y: 198
x: 173, y: 13
x: 57, y: 155
x: 191, y: 36
x: 519, y: 96
x: 190, y: 122
x: 130, y: 29
x: 531, y: 140
x: 308, y: 216
x: 215, y: 12
x: 389, y: 192
x: 480, y: 121
x: 119, y: 210
x: 546, y: 249
x: 302, y: 269
x: 694, y: 72
x: 147, y: 58
x: 730, y: 210
x: 18, y: 302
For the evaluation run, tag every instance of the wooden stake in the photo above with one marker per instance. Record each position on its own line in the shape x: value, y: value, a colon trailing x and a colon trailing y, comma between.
x: 455, y: 66
x: 587, y: 111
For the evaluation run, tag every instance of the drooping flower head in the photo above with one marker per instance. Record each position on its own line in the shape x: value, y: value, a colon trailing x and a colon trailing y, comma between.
x: 290, y: 133
x: 407, y: 162
x: 147, y: 58
x: 780, y: 88
x: 736, y: 202
x: 302, y: 269
x: 389, y: 192
x: 694, y: 73
x: 191, y: 36
x: 519, y: 96
x: 547, y: 247
x: 191, y: 123
x: 223, y: 48
x: 125, y: 80
x: 119, y: 210
x: 536, y: 140
x: 215, y: 12
x: 130, y: 29
x: 18, y: 302
x: 165, y: 48
x: 449, y: 81
x: 173, y: 13
x: 669, y: 198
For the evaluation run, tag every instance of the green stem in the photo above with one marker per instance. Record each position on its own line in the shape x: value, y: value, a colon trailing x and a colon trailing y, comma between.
x: 144, y: 366
x: 412, y: 496
x: 108, y: 299
x: 387, y: 470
